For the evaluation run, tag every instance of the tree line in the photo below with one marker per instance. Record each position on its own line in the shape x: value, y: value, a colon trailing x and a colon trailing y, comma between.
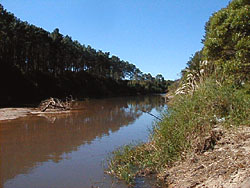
x: 33, y: 50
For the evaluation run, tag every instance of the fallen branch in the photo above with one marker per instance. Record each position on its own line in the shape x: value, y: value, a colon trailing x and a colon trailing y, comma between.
x: 54, y: 103
x: 152, y: 115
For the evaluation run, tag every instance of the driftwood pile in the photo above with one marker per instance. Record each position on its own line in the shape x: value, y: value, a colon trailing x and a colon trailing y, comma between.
x: 56, y: 104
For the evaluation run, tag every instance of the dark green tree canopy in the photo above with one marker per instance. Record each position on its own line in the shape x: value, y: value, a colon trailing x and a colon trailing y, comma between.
x: 227, y: 39
x: 194, y: 61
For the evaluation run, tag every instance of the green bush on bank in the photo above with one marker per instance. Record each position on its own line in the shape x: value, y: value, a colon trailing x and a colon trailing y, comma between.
x: 189, y: 119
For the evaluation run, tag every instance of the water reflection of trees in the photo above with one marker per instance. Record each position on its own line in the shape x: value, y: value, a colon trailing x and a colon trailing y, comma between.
x: 29, y: 141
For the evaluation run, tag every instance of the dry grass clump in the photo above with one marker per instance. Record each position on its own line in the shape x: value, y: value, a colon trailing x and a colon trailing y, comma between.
x: 193, y: 78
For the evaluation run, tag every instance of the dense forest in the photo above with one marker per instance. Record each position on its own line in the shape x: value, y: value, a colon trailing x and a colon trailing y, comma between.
x: 35, y: 64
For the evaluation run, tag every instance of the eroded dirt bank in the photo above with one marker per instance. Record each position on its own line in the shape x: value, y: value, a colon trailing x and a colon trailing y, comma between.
x: 226, y: 166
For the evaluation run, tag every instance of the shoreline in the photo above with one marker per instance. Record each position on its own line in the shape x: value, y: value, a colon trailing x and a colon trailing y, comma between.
x: 11, y: 113
x: 14, y: 113
x: 8, y: 114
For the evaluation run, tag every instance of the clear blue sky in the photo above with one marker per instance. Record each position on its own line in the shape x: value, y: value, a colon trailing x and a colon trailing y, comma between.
x: 158, y: 36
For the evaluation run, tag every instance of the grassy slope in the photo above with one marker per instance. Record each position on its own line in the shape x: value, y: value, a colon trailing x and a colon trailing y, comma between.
x: 184, y: 127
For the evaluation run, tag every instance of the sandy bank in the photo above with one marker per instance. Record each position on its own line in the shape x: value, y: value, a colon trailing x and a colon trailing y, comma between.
x: 14, y: 113
x: 226, y: 166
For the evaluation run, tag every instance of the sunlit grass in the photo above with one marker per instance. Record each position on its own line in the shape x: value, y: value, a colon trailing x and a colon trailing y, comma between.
x: 189, y: 119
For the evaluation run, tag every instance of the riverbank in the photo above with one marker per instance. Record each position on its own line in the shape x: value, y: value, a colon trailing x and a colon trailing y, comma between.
x: 227, y: 165
x: 224, y: 165
x: 194, y: 124
x: 10, y: 113
x: 15, y: 113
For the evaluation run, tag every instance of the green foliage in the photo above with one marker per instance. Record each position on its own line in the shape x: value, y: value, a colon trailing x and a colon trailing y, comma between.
x: 194, y: 62
x: 191, y: 116
x: 188, y: 117
x: 129, y: 161
x: 227, y: 40
x: 146, y: 82
x: 239, y: 113
x: 122, y: 164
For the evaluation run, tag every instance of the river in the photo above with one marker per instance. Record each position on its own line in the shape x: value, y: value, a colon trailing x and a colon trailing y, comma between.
x: 70, y: 150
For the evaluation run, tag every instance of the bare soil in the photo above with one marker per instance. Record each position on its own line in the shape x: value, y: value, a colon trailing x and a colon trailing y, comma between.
x: 227, y: 165
x: 14, y: 113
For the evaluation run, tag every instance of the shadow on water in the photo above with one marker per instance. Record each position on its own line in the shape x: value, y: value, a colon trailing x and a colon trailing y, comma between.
x: 90, y: 131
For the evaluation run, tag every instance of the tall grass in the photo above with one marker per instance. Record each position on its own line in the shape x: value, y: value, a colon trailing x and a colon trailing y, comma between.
x: 189, y: 119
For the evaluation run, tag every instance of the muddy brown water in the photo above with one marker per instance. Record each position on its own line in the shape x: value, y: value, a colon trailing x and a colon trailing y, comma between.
x: 70, y: 150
